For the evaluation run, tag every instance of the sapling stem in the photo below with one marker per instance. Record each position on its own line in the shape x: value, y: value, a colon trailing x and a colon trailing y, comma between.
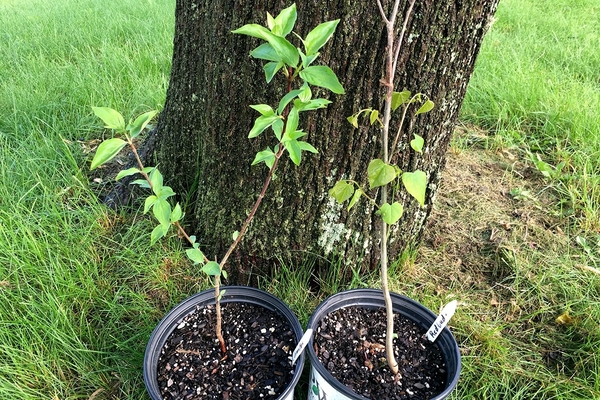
x: 392, y: 52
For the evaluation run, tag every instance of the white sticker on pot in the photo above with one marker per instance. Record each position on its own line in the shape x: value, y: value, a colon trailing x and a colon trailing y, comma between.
x: 301, y: 345
x: 441, y: 321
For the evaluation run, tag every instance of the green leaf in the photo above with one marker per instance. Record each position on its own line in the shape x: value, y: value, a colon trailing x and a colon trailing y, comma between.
x: 311, y: 105
x: 212, y: 268
x: 319, y: 36
x: 225, y: 275
x: 141, y: 183
x: 265, y: 52
x: 156, y: 180
x: 417, y: 143
x: 416, y: 185
x: 355, y: 198
x: 305, y: 94
x: 322, y: 76
x: 262, y: 123
x: 305, y: 146
x: 106, y: 151
x: 373, y: 117
x: 270, y: 21
x: 277, y: 128
x: 291, y: 123
x: 162, y: 212
x: 285, y: 100
x: 294, y: 150
x: 150, y: 200
x: 177, y: 213
x: 342, y: 191
x: 426, y: 107
x: 111, y: 118
x: 140, y: 123
x: 391, y: 213
x: 265, y: 109
x: 380, y: 173
x: 307, y: 60
x: 267, y: 156
x: 126, y: 172
x: 287, y: 52
x: 165, y: 193
x: 195, y: 255
x: 353, y: 119
x: 271, y: 68
x: 399, y: 98
x: 284, y: 22
x: 235, y: 235
x: 158, y: 232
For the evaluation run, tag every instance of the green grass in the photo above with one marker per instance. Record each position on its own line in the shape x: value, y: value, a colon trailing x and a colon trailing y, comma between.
x: 537, y: 86
x: 80, y: 291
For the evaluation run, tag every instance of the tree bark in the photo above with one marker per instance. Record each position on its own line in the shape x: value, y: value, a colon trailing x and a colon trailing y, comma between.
x: 205, y: 155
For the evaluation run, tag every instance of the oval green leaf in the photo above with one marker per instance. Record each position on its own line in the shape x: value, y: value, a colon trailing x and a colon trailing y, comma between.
x: 106, y: 151
x: 322, y: 76
x: 177, y: 213
x: 287, y: 52
x: 416, y: 185
x: 426, y: 107
x: 150, y: 200
x: 262, y: 123
x: 342, y: 191
x: 140, y: 123
x: 111, y: 118
x: 212, y: 268
x: 380, y: 173
x: 417, y: 143
x: 265, y: 52
x: 391, y: 213
x: 158, y: 232
x: 162, y: 212
x: 319, y: 36
x: 195, y: 255
x: 126, y: 172
x: 284, y: 22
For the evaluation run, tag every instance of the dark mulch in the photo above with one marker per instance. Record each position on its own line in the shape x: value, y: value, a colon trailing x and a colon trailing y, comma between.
x: 350, y: 342
x: 257, y: 366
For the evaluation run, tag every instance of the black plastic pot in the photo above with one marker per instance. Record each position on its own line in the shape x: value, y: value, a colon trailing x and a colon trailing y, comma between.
x: 234, y: 294
x: 324, y: 385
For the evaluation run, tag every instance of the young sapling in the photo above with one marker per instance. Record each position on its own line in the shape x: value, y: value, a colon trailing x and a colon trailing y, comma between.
x: 381, y: 172
x: 295, y: 65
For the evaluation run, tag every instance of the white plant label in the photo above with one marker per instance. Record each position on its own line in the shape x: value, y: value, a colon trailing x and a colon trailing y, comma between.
x: 301, y: 345
x: 441, y: 321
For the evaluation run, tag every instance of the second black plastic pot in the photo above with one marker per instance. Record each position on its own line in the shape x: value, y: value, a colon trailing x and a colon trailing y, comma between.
x: 324, y: 386
x: 234, y: 294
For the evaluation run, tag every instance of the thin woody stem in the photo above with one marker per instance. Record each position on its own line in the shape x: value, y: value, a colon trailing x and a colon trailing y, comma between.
x: 254, y: 208
x: 218, y: 329
x: 392, y: 53
x: 248, y: 221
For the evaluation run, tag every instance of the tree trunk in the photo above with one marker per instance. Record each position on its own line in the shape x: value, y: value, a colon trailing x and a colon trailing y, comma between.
x: 205, y: 155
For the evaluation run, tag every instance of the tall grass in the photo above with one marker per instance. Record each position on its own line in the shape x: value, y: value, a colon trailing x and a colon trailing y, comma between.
x: 74, y: 306
x: 59, y: 57
x: 537, y: 85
